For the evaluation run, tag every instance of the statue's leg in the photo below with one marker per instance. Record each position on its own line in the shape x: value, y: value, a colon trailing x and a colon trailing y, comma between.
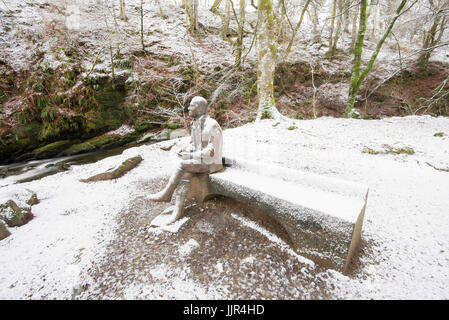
x: 181, y: 194
x: 166, y: 194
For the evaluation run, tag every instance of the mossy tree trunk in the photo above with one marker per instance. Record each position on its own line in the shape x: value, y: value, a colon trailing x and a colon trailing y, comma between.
x: 239, y: 42
x: 215, y: 6
x: 357, y: 78
x: 266, y: 62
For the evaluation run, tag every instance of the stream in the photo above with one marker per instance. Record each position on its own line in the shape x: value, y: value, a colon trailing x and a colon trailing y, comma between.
x: 37, y: 169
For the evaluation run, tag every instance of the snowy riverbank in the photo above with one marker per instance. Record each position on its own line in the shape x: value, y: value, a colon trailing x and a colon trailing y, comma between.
x: 80, y: 228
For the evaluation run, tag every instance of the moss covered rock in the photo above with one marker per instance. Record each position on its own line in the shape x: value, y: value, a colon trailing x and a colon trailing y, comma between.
x: 33, y: 200
x: 51, y: 149
x: 92, y: 144
x: 13, y: 215
x: 3, y: 231
x: 126, y: 166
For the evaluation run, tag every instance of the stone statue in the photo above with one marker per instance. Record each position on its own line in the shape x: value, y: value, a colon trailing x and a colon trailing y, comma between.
x: 202, y: 155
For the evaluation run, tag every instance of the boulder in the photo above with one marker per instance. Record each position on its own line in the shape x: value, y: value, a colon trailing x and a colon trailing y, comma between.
x: 3, y: 231
x: 33, y: 200
x: 126, y: 166
x: 165, y: 134
x: 13, y: 215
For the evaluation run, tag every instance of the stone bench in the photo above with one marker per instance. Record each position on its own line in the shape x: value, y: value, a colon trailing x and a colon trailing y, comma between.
x: 322, y: 216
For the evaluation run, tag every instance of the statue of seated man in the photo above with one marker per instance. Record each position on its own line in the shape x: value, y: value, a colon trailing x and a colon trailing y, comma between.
x: 202, y: 155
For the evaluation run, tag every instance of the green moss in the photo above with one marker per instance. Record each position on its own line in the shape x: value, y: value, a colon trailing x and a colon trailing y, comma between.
x: 390, y: 150
x: 370, y: 151
x: 92, y: 144
x: 13, y: 215
x: 291, y: 128
x: 439, y: 134
x: 400, y: 150
x: 266, y: 115
x: 273, y: 49
x: 51, y: 149
x: 173, y: 124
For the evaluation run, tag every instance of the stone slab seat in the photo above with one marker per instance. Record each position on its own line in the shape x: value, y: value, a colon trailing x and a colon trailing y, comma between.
x: 323, y: 216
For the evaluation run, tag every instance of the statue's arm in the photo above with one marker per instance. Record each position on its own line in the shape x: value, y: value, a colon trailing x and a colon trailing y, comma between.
x: 214, y: 142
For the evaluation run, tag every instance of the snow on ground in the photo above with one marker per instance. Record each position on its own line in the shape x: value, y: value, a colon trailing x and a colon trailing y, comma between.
x: 405, y: 230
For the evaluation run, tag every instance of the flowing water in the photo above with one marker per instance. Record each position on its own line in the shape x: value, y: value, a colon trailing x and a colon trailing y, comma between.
x: 37, y: 169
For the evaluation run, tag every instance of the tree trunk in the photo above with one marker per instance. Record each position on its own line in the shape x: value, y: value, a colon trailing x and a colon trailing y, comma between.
x: 338, y: 31
x: 354, y: 27
x: 356, y: 77
x: 191, y: 7
x: 123, y: 10
x: 374, y: 20
x: 226, y: 20
x: 215, y: 6
x: 298, y: 25
x: 433, y: 36
x: 142, y: 42
x: 266, y: 61
x: 347, y: 4
x: 331, y: 32
x: 315, y: 23
x: 239, y: 43
x: 357, y: 60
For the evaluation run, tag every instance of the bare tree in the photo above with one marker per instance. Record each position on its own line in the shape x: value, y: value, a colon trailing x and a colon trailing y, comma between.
x: 432, y: 36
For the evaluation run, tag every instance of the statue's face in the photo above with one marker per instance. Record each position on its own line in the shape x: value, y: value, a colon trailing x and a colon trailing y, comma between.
x: 194, y: 109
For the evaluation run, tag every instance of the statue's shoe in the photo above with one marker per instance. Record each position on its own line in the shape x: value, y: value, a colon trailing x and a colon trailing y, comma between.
x: 168, y: 216
x: 159, y: 197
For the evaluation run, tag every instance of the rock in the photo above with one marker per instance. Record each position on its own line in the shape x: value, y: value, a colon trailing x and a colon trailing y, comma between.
x: 179, y: 133
x: 165, y: 134
x: 3, y: 231
x: 126, y: 166
x: 100, y: 142
x: 3, y: 172
x: 146, y: 137
x: 33, y: 200
x: 13, y: 215
x: 162, y: 135
x: 51, y: 149
x: 168, y: 146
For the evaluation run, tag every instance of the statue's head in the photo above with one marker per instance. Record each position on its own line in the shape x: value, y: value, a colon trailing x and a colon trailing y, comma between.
x: 197, y: 107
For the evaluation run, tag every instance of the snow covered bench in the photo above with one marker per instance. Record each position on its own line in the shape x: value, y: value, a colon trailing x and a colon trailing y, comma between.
x: 322, y: 216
